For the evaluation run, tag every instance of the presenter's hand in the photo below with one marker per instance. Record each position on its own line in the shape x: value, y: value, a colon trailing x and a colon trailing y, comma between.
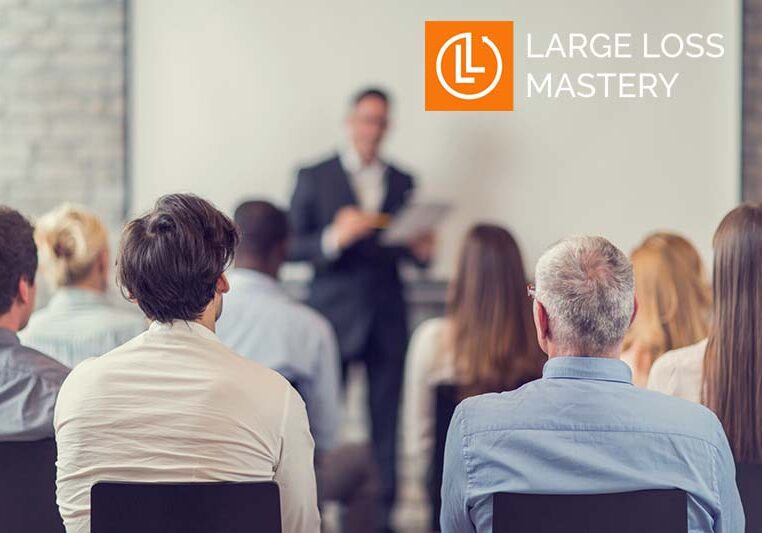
x: 351, y: 224
x: 424, y: 246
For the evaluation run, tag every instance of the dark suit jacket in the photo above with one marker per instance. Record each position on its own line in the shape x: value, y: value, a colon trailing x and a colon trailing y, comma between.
x: 362, y: 284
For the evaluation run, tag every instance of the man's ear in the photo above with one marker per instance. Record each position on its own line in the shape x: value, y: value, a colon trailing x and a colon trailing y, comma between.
x: 222, y: 284
x: 25, y: 291
x: 543, y: 321
x: 634, y: 311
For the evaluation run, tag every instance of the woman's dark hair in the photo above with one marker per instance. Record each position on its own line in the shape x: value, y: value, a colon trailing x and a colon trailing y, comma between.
x: 733, y: 359
x: 492, y: 332
x: 171, y: 258
x: 18, y: 255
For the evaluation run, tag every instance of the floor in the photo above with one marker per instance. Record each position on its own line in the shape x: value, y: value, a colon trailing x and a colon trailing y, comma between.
x: 412, y: 512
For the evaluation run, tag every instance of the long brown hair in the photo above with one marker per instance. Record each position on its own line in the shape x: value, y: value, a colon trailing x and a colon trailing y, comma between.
x: 492, y: 333
x: 733, y: 359
x: 674, y: 299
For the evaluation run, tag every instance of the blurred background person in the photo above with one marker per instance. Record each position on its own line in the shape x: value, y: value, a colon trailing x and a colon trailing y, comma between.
x: 79, y: 321
x: 725, y: 370
x: 29, y: 380
x: 674, y: 301
x: 337, y: 209
x: 484, y: 343
x: 263, y: 323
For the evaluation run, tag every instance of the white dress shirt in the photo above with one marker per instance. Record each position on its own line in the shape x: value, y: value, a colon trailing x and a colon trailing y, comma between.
x: 429, y: 364
x: 367, y: 182
x: 175, y: 405
x: 263, y: 323
x: 678, y: 372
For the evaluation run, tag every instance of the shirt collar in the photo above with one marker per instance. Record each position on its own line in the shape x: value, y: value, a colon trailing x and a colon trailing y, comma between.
x: 352, y: 163
x: 67, y: 296
x: 8, y: 337
x: 595, y: 368
x: 183, y: 326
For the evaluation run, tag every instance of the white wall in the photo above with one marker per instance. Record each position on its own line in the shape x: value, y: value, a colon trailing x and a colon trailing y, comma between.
x: 229, y: 97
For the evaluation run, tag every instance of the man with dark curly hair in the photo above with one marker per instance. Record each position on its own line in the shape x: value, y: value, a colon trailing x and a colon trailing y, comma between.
x: 29, y: 380
x: 174, y: 404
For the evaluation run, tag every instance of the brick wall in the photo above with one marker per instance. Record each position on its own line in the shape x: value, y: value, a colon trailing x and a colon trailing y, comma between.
x: 62, y: 105
x: 752, y: 100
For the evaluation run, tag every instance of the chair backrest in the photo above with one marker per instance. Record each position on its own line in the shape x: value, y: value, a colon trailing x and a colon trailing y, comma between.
x: 749, y: 481
x: 654, y: 511
x: 185, y: 508
x: 28, y: 487
x: 446, y: 402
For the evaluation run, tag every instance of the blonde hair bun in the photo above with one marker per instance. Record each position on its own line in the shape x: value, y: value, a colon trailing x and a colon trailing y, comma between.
x: 69, y: 239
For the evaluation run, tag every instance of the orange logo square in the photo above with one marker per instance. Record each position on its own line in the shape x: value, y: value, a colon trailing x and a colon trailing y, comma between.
x: 469, y: 65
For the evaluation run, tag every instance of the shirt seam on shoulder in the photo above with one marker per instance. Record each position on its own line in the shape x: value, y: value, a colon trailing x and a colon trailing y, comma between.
x: 492, y: 430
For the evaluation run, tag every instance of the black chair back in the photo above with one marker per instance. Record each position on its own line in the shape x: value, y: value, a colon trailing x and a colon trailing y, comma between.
x: 446, y: 402
x: 749, y: 481
x: 185, y: 508
x: 28, y: 487
x: 654, y: 511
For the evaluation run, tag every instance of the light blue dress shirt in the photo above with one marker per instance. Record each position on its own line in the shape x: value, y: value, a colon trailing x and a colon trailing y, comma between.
x: 263, y: 323
x: 78, y: 324
x: 583, y: 429
x: 29, y: 385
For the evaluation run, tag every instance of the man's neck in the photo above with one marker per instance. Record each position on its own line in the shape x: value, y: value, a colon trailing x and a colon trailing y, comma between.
x: 208, y: 322
x: 560, y: 351
x: 10, y: 321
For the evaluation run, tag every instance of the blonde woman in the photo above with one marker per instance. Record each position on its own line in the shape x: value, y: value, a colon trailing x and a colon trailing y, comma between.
x: 674, y: 301
x: 78, y: 322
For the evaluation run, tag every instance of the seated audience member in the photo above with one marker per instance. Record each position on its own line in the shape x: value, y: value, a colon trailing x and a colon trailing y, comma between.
x: 584, y: 428
x: 174, y: 404
x: 78, y: 322
x: 725, y: 370
x: 263, y: 323
x: 29, y: 380
x: 674, y: 301
x: 485, y: 342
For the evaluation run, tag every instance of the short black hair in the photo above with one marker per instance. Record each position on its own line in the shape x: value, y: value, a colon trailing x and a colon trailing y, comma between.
x: 262, y: 227
x: 375, y: 92
x: 18, y: 255
x: 171, y: 258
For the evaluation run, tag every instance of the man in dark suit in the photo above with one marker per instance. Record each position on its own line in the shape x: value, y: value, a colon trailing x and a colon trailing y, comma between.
x: 337, y: 209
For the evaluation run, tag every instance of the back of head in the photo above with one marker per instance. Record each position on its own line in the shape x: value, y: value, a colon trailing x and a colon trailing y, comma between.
x: 491, y: 320
x: 18, y: 255
x: 264, y: 230
x: 70, y: 240
x: 586, y: 286
x: 674, y: 301
x: 733, y: 361
x: 171, y: 258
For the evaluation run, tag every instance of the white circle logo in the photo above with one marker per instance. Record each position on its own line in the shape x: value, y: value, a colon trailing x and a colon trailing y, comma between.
x: 461, y: 73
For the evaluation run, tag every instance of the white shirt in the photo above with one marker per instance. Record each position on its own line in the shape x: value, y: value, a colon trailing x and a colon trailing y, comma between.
x: 368, y: 183
x: 175, y: 405
x: 429, y: 364
x: 263, y: 323
x: 678, y: 372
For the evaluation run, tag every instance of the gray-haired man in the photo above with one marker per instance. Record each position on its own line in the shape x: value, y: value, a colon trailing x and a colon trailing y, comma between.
x: 583, y: 427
